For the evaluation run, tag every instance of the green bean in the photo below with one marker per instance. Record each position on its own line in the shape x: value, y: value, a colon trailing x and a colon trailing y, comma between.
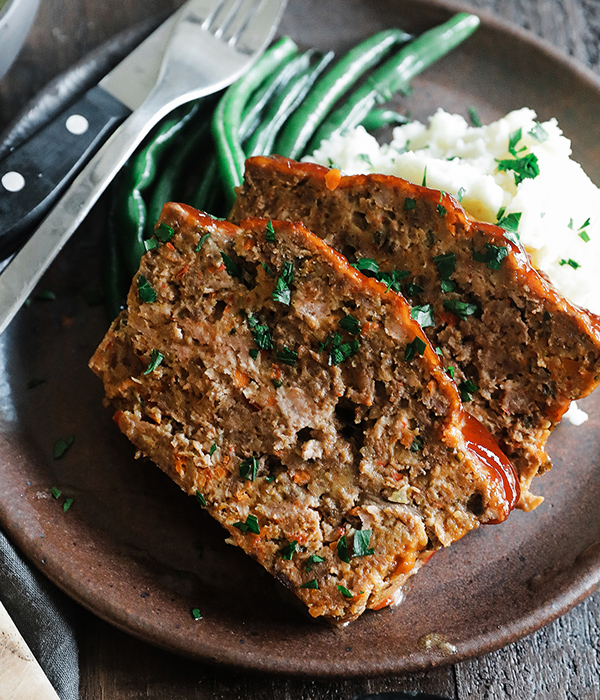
x: 228, y: 114
x: 138, y: 177
x: 263, y: 139
x: 293, y: 72
x: 209, y: 189
x: 396, y: 73
x: 168, y: 183
x: 303, y: 124
x: 116, y: 280
x: 378, y: 118
x: 264, y: 94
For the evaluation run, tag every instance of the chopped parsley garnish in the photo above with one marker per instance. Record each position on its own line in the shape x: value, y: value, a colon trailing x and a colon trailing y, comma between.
x: 249, y: 468
x: 450, y: 372
x: 424, y: 182
x: 439, y: 351
x: 276, y: 383
x: 361, y: 543
x: 365, y: 158
x: 539, y: 133
x: 288, y: 551
x: 338, y: 352
x: 423, y: 315
x: 45, y: 295
x: 467, y: 388
x: 462, y: 309
x: 282, y: 291
x: 513, y: 140
x: 151, y: 243
x: 196, y: 614
x: 344, y: 591
x: 164, y: 232
x: 155, y: 359
x: 200, y: 498
x: 314, y: 584
x: 312, y: 560
x: 342, y: 549
x: 409, y: 204
x: 233, y: 269
x: 201, y: 242
x: 260, y: 333
x: 411, y: 289
x: 287, y: 356
x: 267, y: 269
x: 253, y: 352
x: 366, y: 265
x: 270, y: 234
x: 417, y: 347
x: 460, y: 194
x: 441, y: 209
x: 56, y: 492
x: 570, y: 262
x: 493, y: 255
x: 581, y: 232
x: 445, y: 264
x: 524, y: 168
x: 146, y: 293
x: 213, y: 449
x: 417, y: 444
x: 351, y: 324
x: 510, y: 222
x: 392, y: 279
x: 251, y: 525
x: 61, y: 446
x: 67, y: 504
x: 474, y: 116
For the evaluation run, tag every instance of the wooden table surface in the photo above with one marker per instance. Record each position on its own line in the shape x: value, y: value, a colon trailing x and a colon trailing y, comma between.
x: 559, y: 661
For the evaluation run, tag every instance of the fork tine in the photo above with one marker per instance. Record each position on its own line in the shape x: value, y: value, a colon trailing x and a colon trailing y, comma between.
x: 238, y: 23
x: 252, y: 36
x: 206, y: 11
x: 223, y: 17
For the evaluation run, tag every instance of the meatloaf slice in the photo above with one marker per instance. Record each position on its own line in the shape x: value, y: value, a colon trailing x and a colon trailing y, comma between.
x: 303, y: 406
x: 519, y: 351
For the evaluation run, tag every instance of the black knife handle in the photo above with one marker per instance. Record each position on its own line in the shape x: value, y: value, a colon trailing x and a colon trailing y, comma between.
x: 35, y: 174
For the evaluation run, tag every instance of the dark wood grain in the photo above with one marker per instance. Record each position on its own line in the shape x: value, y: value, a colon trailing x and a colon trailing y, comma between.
x: 561, y: 661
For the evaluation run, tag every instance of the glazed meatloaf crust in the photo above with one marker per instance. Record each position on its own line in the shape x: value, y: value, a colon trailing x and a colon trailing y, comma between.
x: 519, y: 352
x: 302, y: 405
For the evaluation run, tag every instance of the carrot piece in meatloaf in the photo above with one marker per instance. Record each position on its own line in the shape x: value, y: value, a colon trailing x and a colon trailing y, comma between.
x: 519, y: 351
x: 301, y: 402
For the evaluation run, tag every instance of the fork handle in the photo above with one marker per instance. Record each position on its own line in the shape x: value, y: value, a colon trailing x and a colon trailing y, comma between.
x: 34, y: 175
x: 29, y: 264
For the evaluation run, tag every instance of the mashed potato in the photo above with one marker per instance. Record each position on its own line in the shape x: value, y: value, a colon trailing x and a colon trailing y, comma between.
x: 559, y: 207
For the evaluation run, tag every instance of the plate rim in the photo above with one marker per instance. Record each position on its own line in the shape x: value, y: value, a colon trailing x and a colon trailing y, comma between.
x: 567, y: 597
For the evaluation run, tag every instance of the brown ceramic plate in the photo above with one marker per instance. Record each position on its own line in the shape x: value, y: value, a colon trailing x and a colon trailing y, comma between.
x: 139, y: 553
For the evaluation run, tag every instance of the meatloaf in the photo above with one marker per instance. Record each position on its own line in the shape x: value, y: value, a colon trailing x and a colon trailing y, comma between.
x: 518, y: 351
x: 302, y: 406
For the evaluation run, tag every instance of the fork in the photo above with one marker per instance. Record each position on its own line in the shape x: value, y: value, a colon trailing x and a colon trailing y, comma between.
x: 212, y: 44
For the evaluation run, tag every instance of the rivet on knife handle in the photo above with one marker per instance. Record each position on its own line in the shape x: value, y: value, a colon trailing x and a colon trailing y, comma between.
x: 33, y: 177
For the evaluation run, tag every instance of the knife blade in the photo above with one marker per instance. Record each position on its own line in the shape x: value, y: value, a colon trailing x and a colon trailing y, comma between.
x: 34, y: 175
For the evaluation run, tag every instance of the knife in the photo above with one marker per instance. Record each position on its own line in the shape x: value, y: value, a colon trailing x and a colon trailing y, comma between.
x: 34, y: 175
